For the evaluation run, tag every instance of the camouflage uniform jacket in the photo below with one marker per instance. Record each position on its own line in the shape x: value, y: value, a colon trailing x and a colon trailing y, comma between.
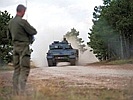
x: 20, y: 30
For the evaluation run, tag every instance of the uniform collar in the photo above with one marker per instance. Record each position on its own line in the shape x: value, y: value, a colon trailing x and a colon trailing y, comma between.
x: 18, y: 16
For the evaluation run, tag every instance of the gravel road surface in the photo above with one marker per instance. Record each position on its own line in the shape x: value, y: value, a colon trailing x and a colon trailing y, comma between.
x: 93, y: 76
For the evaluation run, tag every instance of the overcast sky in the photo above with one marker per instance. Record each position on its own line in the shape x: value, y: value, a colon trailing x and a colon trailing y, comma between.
x: 54, y: 18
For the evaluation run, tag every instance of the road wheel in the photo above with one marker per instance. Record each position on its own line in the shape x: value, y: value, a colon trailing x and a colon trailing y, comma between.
x: 54, y: 63
x: 50, y: 62
x: 72, y: 62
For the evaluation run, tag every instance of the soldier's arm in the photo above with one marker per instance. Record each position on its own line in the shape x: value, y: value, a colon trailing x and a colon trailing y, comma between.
x: 28, y: 28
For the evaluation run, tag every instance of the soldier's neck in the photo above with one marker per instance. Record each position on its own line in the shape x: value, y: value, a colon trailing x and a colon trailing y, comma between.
x: 19, y: 14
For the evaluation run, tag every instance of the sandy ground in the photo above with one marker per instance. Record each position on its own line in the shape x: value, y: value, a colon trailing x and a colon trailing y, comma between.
x: 103, y: 76
x: 93, y: 76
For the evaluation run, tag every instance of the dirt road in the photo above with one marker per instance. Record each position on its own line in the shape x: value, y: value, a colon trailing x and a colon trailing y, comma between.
x: 116, y: 77
x: 103, y: 76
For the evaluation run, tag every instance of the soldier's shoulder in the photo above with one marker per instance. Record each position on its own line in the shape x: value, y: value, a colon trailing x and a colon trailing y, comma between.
x: 24, y: 21
x: 10, y: 21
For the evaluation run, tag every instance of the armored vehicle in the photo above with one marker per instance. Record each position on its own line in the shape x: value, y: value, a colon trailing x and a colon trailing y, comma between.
x: 61, y: 52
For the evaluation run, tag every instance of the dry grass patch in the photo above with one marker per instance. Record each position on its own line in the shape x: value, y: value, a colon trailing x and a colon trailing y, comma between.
x: 53, y: 89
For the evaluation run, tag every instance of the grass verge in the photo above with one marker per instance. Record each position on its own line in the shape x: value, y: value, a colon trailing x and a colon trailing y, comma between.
x: 114, y: 62
x: 55, y: 91
x: 6, y: 68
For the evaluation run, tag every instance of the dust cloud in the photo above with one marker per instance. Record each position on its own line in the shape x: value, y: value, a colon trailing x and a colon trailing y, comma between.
x: 84, y: 57
x: 41, y: 46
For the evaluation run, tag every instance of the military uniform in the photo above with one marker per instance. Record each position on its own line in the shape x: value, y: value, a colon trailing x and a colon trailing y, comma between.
x: 65, y: 41
x: 21, y: 33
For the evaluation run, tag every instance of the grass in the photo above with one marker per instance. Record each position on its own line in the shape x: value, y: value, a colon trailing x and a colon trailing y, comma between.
x: 6, y: 68
x: 114, y: 62
x: 10, y: 67
x: 53, y: 90
x: 120, y: 62
x: 61, y: 91
x: 73, y: 93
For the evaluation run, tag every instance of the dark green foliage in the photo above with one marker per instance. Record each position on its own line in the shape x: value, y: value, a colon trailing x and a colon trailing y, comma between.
x: 5, y: 44
x: 73, y: 36
x: 120, y: 15
x: 105, y: 43
x: 111, y: 36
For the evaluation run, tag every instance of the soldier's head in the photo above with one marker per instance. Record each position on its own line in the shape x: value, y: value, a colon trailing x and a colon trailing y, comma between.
x: 21, y: 10
x: 64, y: 39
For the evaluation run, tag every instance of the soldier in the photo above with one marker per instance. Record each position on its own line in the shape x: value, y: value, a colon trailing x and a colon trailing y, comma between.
x: 22, y: 34
x: 65, y: 40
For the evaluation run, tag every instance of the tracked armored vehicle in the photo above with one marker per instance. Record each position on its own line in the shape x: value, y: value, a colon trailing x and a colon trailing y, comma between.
x: 61, y: 52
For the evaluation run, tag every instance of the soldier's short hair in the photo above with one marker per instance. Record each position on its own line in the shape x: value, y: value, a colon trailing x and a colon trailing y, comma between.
x: 20, y: 7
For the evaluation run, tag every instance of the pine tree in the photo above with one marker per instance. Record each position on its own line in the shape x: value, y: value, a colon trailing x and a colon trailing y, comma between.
x: 5, y: 44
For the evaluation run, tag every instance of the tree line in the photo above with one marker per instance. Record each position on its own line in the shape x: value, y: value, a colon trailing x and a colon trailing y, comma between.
x: 111, y: 36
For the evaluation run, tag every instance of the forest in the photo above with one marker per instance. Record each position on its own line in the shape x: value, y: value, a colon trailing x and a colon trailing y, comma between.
x: 111, y: 36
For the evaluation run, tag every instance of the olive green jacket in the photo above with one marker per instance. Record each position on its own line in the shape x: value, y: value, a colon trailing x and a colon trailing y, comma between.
x: 20, y: 30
